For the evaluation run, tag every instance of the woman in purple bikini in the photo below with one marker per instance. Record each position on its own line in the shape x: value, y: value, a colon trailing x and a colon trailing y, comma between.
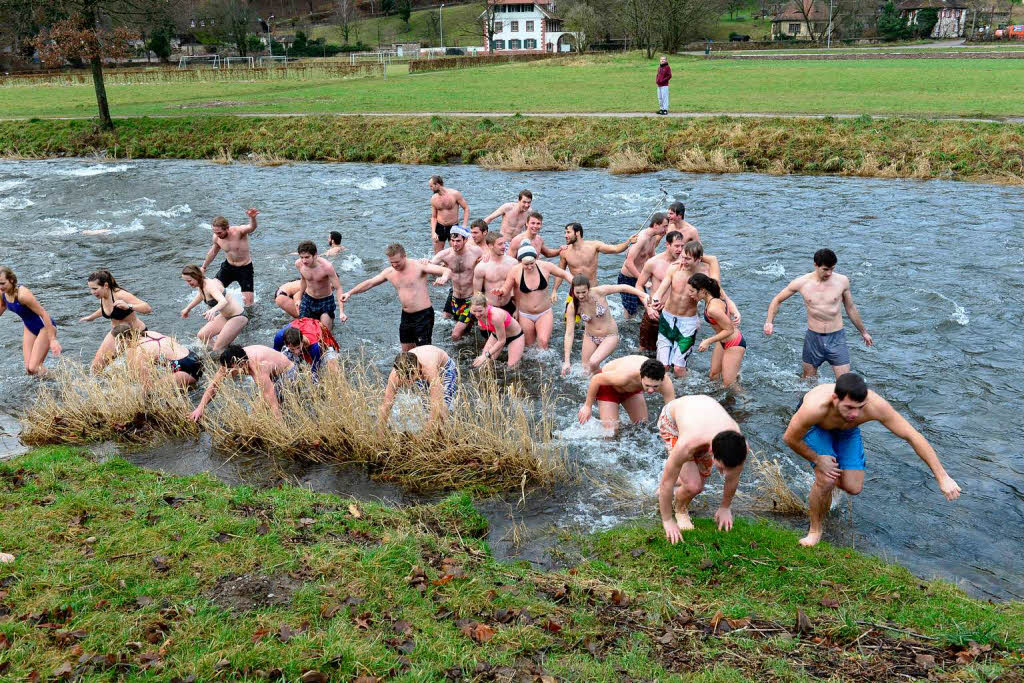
x: 40, y: 336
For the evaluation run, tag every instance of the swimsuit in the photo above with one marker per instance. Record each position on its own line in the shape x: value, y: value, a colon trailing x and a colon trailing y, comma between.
x: 243, y: 275
x: 443, y: 232
x: 458, y: 308
x: 190, y: 364
x: 542, y: 282
x: 676, y: 336
x: 509, y: 307
x: 534, y: 317
x: 630, y: 302
x: 115, y: 312
x: 598, y: 313
x: 417, y: 328
x: 489, y: 327
x: 738, y: 340
x: 826, y: 346
x: 668, y: 430
x: 213, y: 302
x: 33, y: 323
x: 449, y: 375
x: 310, y: 307
x: 613, y: 395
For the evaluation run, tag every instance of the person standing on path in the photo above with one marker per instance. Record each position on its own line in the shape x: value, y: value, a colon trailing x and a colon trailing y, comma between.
x: 662, y: 79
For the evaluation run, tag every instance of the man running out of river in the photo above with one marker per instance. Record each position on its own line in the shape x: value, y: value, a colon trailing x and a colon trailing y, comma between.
x: 513, y: 215
x: 491, y: 271
x: 531, y: 235
x: 140, y: 349
x: 478, y: 233
x: 427, y: 368
x: 39, y: 337
x: 579, y: 256
x: 319, y: 287
x: 624, y: 381
x: 444, y: 211
x: 654, y: 272
x: 270, y: 369
x: 409, y: 278
x: 700, y: 437
x: 237, y: 266
x: 676, y: 212
x: 116, y: 305
x: 334, y: 246
x: 529, y: 280
x: 307, y: 340
x: 823, y: 291
x: 636, y: 258
x: 460, y: 258
x: 826, y: 432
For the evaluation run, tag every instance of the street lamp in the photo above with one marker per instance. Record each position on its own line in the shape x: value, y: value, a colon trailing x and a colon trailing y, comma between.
x: 440, y: 21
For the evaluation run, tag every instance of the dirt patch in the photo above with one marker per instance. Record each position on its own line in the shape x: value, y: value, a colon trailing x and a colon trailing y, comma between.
x: 241, y: 593
x: 213, y: 104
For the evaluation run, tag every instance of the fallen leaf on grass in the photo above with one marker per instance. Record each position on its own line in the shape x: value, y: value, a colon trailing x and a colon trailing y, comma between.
x: 483, y: 633
x: 287, y: 633
x: 221, y: 665
x: 707, y: 563
x: 552, y: 626
x: 306, y: 522
x: 363, y: 621
x: 314, y: 677
x: 260, y: 635
x: 666, y: 639
x: 619, y: 598
x: 925, y: 661
x: 143, y: 601
x: 161, y: 563
x: 803, y: 624
x: 365, y: 679
x: 402, y: 627
x: 831, y: 603
x: 329, y: 611
x: 742, y: 622
x: 63, y: 670
x: 417, y: 579
x: 355, y: 511
x: 262, y: 530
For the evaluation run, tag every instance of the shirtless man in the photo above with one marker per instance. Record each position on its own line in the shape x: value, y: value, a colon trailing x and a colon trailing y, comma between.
x: 460, y: 258
x: 491, y: 271
x: 676, y: 211
x: 237, y: 266
x: 700, y: 437
x: 534, y: 222
x: 636, y: 258
x: 425, y: 367
x: 624, y: 381
x: 334, y: 246
x: 654, y: 272
x: 513, y: 215
x: 444, y: 211
x: 269, y: 368
x: 826, y: 431
x: 478, y: 233
x: 409, y: 278
x: 579, y: 256
x: 823, y: 290
x: 319, y: 287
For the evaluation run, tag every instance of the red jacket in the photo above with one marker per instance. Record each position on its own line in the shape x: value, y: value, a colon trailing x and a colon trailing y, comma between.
x: 664, y: 75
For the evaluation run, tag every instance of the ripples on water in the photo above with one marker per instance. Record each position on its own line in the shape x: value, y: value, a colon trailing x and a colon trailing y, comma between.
x: 935, y: 266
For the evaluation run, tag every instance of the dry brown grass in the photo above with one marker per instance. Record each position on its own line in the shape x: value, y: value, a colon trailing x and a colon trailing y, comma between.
x: 266, y: 159
x: 223, y: 156
x: 629, y: 160
x: 773, y: 493
x: 537, y: 157
x: 77, y: 408
x: 695, y: 160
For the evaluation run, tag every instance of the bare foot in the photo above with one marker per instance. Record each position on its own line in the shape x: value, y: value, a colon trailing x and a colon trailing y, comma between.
x: 6, y: 558
x: 811, y: 538
x: 683, y: 521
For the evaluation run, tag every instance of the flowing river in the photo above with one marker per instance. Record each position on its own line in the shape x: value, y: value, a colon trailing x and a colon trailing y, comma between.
x: 934, y: 269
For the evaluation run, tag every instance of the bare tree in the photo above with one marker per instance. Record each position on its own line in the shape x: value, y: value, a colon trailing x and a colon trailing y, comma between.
x: 680, y: 21
x: 235, y: 20
x: 345, y: 14
x: 641, y: 23
x: 583, y: 20
x: 811, y: 12
x: 488, y: 16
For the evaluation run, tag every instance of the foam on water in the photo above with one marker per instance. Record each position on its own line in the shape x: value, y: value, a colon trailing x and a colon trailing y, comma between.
x: 372, y: 183
x: 348, y: 263
x: 959, y: 314
x: 10, y: 184
x: 63, y: 227
x: 15, y: 203
x: 89, y: 171
x: 774, y: 269
x: 173, y: 212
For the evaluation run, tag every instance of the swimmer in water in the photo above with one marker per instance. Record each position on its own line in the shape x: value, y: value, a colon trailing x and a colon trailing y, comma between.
x: 225, y: 316
x: 334, y: 246
x: 40, y: 335
x: 639, y: 253
x: 623, y: 382
x: 141, y: 349
x: 513, y: 215
x: 425, y: 367
x: 728, y: 343
x: 288, y: 296
x: 116, y: 305
x: 319, y: 287
x: 460, y: 258
x: 825, y: 431
x: 677, y: 221
x: 444, y: 211
x: 529, y: 280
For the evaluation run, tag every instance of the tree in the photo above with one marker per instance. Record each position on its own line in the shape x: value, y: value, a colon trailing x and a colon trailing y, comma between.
x: 734, y: 6
x: 925, y: 20
x: 811, y: 12
x: 405, y: 11
x: 891, y: 25
x: 583, y: 20
x: 680, y: 21
x: 159, y: 43
x: 641, y: 18
x: 488, y: 15
x: 345, y: 15
x: 234, y: 21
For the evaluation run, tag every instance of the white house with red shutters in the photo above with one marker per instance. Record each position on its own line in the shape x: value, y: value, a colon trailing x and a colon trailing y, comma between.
x: 527, y: 27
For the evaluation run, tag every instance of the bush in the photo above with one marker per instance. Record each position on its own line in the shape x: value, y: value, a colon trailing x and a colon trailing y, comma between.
x: 925, y: 21
x: 891, y: 25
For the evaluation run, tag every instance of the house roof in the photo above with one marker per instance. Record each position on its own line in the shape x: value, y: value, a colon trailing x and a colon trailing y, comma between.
x: 908, y: 5
x: 815, y: 11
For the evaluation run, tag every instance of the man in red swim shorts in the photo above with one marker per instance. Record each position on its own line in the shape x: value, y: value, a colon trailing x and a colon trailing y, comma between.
x: 624, y: 381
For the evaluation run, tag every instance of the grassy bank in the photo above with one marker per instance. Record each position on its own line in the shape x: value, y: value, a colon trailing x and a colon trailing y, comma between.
x: 860, y: 147
x: 122, y: 571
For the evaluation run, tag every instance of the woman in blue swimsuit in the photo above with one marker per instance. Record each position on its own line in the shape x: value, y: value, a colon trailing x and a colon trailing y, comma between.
x: 117, y: 306
x: 40, y: 336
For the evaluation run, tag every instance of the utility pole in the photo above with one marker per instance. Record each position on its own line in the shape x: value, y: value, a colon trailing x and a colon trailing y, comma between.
x: 440, y: 22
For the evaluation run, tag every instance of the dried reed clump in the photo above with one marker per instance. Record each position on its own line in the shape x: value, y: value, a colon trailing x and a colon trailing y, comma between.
x: 529, y: 158
x: 223, y: 156
x: 493, y: 439
x: 779, y: 167
x: 412, y: 155
x: 695, y: 160
x: 266, y: 159
x: 629, y: 160
x: 773, y: 493
x: 78, y: 408
x: 922, y: 167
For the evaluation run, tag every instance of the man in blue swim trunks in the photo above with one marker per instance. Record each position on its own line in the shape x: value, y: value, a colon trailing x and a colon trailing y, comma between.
x: 823, y: 291
x: 826, y: 432
x: 319, y: 287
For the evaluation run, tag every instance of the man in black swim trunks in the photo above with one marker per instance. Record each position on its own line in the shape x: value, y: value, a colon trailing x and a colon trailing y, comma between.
x: 409, y: 278
x: 237, y: 266
x: 444, y: 211
x: 491, y: 271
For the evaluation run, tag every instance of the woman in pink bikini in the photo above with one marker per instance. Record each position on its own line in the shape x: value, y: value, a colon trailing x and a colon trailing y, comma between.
x: 503, y: 331
x: 730, y: 348
x: 600, y: 332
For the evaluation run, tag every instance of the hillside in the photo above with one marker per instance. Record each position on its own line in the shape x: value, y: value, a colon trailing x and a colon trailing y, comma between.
x: 461, y: 28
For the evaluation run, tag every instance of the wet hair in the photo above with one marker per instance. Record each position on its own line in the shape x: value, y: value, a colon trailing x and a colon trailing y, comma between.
x: 526, y: 193
x: 658, y: 218
x: 9, y: 275
x: 534, y: 214
x: 103, y: 277
x: 825, y: 257
x: 729, y: 448
x: 652, y: 369
x: 672, y: 236
x: 220, y: 222
x: 123, y: 331
x: 704, y: 283
x: 334, y: 238
x: 307, y: 247
x: 406, y: 364
x: 196, y: 274
x: 395, y: 249
x: 694, y: 249
x: 292, y: 337
x: 576, y: 228
x: 479, y: 223
x: 678, y: 208
x: 853, y: 385
x: 438, y: 180
x: 232, y: 356
x: 578, y: 280
x: 491, y: 237
x: 478, y: 299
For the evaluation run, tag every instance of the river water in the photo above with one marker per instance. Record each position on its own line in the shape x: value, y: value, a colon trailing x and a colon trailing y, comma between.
x: 934, y: 267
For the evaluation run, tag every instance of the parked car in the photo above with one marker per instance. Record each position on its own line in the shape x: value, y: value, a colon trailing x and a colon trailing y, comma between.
x: 738, y: 38
x: 454, y: 52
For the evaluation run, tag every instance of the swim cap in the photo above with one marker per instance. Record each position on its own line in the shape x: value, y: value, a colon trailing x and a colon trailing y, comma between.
x: 460, y: 231
x: 526, y: 250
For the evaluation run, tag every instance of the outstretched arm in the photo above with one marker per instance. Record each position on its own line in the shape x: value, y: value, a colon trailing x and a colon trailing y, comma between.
x: 211, y: 391
x: 596, y: 382
x: 389, y: 398
x: 266, y: 385
x: 86, y: 319
x: 562, y: 263
x: 899, y: 426
x: 854, y: 314
x: 251, y: 227
x: 134, y: 303
x: 378, y: 279
x: 604, y: 248
x: 210, y: 256
x: 773, y: 308
x: 500, y: 211
x: 444, y: 274
x: 570, y: 337
x: 550, y: 251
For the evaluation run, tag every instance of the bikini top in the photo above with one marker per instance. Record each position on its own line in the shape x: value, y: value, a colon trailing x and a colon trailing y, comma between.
x: 115, y: 313
x: 601, y: 310
x: 542, y: 284
x: 18, y: 308
x: 711, y: 322
x: 489, y: 326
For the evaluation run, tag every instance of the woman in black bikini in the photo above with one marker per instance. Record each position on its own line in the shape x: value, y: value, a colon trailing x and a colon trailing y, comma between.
x: 529, y: 281
x: 117, y: 306
x: 225, y: 317
x: 600, y: 332
x: 140, y: 349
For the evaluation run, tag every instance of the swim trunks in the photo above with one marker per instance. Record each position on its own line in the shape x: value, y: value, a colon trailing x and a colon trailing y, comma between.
x: 845, y: 445
x: 826, y: 346
x: 243, y: 275
x: 417, y: 328
x: 630, y: 302
x: 458, y: 308
x: 509, y: 307
x: 443, y: 232
x: 668, y: 430
x: 314, y: 308
x: 648, y: 335
x: 676, y: 337
x: 612, y: 395
x: 190, y: 364
x: 449, y: 376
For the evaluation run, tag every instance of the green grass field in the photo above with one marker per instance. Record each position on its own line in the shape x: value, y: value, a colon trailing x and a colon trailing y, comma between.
x: 621, y: 83
x: 461, y: 27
